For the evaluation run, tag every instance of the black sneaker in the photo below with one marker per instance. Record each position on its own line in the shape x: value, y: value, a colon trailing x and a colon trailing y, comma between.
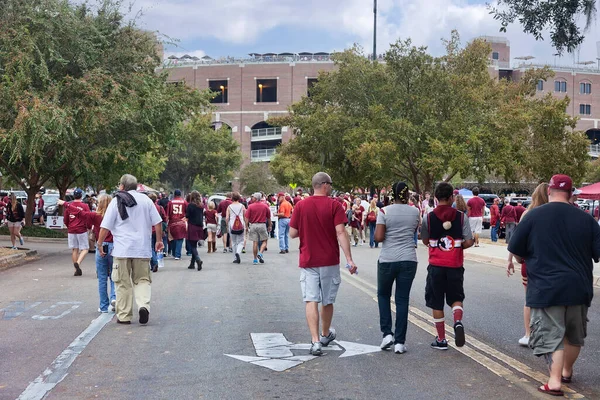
x: 261, y: 259
x: 440, y: 344
x: 459, y: 334
x: 237, y: 260
x: 78, y: 271
x: 144, y: 315
x: 225, y: 250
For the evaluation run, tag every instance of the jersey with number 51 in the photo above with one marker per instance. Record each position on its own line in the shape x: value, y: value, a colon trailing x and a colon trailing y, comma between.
x: 176, y: 209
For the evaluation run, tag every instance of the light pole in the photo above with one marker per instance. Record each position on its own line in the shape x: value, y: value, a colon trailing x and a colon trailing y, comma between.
x: 374, y: 30
x: 222, y: 94
x: 260, y: 88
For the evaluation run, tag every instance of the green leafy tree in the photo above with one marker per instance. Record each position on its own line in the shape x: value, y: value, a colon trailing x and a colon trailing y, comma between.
x: 256, y: 177
x: 289, y: 169
x: 593, y: 171
x: 560, y: 16
x: 79, y: 95
x: 202, y: 155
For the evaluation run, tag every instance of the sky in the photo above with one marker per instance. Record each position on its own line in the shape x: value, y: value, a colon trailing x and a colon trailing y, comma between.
x: 237, y: 27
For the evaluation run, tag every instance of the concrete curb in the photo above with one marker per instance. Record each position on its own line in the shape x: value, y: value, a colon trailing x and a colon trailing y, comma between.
x: 501, y: 262
x: 38, y: 239
x: 14, y: 260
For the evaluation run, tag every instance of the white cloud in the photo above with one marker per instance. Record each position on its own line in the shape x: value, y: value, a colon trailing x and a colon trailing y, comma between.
x: 425, y: 21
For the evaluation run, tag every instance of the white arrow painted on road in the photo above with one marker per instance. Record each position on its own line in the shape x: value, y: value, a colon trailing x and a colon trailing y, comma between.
x: 274, y: 351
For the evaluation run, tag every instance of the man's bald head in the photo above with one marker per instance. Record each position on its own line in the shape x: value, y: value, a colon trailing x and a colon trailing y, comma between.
x: 321, y: 183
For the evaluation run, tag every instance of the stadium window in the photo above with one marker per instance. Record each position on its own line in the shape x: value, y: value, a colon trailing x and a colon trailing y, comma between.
x: 221, y: 89
x: 310, y: 82
x: 495, y: 55
x: 585, y: 109
x: 585, y: 88
x: 540, y: 85
x: 266, y: 90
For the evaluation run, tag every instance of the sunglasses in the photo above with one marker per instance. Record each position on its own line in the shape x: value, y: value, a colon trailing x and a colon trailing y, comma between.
x: 327, y: 183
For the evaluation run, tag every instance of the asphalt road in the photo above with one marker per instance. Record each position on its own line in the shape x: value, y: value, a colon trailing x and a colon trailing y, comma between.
x: 198, y: 318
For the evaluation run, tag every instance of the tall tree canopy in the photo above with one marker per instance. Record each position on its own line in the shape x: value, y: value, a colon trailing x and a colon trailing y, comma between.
x: 559, y: 16
x: 79, y: 93
x: 423, y: 119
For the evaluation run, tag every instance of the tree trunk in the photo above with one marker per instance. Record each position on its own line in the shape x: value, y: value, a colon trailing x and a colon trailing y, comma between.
x: 31, y: 192
x: 62, y: 185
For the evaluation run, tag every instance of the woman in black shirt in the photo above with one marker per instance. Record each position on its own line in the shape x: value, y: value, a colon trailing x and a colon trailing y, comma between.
x: 195, y: 232
x: 15, y: 214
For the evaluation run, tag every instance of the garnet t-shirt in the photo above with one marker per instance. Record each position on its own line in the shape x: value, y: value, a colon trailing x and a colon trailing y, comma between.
x: 476, y: 204
x: 315, y: 218
x: 258, y: 213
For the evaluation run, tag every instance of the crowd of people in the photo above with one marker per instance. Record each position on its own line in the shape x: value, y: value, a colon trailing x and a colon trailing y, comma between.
x: 555, y: 243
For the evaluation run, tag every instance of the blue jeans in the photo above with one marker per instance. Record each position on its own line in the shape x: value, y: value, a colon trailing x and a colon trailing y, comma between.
x: 284, y: 230
x: 372, y: 226
x: 188, y: 248
x: 495, y: 230
x: 103, y: 271
x: 403, y: 273
x: 177, y: 245
x: 165, y: 241
x: 153, y: 260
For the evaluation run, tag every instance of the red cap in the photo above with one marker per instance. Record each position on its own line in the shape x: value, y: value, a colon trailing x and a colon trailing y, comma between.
x: 455, y: 192
x: 561, y: 182
x: 280, y: 194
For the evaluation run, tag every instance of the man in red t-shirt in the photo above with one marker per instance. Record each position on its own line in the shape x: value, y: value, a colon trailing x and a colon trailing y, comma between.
x: 319, y: 222
x: 176, y: 220
x: 77, y: 230
x: 519, y: 210
x: 476, y: 205
x: 258, y: 225
x: 222, y: 211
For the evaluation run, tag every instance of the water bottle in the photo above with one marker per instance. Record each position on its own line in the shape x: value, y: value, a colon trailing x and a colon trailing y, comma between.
x: 160, y: 257
x: 348, y: 267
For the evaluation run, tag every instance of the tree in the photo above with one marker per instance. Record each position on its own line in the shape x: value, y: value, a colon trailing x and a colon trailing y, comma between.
x: 203, y: 154
x: 288, y: 169
x: 256, y: 177
x: 79, y: 94
x: 559, y: 15
x: 593, y: 171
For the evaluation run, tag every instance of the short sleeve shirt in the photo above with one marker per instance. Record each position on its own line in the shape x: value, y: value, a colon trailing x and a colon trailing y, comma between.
x: 467, y: 233
x: 559, y: 243
x: 133, y: 236
x: 285, y: 208
x: 258, y: 213
x: 316, y: 218
x: 477, y: 205
x: 401, y: 222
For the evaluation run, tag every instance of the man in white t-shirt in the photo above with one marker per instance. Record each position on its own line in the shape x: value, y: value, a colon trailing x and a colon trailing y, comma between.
x: 130, y: 217
x: 365, y: 204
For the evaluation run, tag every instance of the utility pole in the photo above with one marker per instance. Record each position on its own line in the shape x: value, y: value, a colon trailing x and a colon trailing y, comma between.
x: 374, y: 30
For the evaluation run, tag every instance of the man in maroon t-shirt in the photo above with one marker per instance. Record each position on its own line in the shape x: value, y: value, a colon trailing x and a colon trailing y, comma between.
x: 176, y: 219
x: 476, y: 206
x: 77, y: 230
x: 319, y: 222
x: 519, y: 210
x: 258, y: 225
x: 222, y: 211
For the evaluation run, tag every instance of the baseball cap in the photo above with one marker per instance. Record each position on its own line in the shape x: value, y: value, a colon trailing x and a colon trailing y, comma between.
x: 561, y: 182
x: 177, y: 192
x: 280, y: 194
x: 455, y: 192
x: 257, y: 195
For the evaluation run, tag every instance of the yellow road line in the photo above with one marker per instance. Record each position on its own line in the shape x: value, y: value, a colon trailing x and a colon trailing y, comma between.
x: 424, y: 322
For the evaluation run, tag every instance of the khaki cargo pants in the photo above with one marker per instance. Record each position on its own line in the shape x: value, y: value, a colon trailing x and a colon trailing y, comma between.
x: 131, y: 276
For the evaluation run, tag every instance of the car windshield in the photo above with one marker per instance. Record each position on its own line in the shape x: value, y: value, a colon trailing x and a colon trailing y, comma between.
x: 50, y: 199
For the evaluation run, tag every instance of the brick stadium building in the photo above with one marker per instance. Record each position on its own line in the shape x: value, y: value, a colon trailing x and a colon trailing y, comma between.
x: 265, y: 85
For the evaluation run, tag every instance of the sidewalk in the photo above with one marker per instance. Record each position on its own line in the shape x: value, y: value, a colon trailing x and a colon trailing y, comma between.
x: 497, y: 254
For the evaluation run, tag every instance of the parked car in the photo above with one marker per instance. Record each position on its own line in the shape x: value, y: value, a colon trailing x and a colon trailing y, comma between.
x: 216, y: 198
x: 488, y: 198
x: 51, y: 204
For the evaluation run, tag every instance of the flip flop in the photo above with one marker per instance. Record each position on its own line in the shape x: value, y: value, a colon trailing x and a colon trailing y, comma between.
x: 547, y: 390
x: 566, y: 379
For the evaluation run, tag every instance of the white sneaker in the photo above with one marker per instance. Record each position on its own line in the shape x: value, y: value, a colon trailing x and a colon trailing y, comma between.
x: 524, y: 341
x: 100, y: 311
x: 399, y: 348
x: 387, y: 342
x: 112, y: 305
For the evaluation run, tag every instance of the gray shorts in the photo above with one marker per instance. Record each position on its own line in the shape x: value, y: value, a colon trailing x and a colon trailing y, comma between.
x: 224, y: 229
x: 550, y: 326
x: 320, y: 284
x: 258, y: 232
x: 79, y: 241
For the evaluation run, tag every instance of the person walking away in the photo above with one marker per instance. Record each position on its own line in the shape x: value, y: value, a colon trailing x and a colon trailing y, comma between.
x: 365, y: 205
x: 284, y: 212
x: 508, y: 218
x: 77, y: 230
x: 130, y: 217
x: 258, y: 225
x: 39, y: 207
x: 195, y: 217
x: 476, y: 206
x: 539, y: 197
x: 104, y: 263
x: 211, y: 227
x: 14, y: 216
x: 235, y: 223
x: 163, y: 215
x: 519, y: 210
x: 176, y: 219
x: 371, y: 219
x: 319, y: 222
x: 397, y: 263
x: 222, y: 210
x: 447, y: 234
x: 495, y: 220
x: 560, y: 244
x: 356, y: 223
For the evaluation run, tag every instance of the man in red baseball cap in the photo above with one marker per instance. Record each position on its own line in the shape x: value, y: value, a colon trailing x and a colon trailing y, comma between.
x: 559, y: 243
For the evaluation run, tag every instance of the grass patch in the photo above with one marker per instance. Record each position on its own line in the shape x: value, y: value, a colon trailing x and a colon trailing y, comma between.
x: 37, y: 231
